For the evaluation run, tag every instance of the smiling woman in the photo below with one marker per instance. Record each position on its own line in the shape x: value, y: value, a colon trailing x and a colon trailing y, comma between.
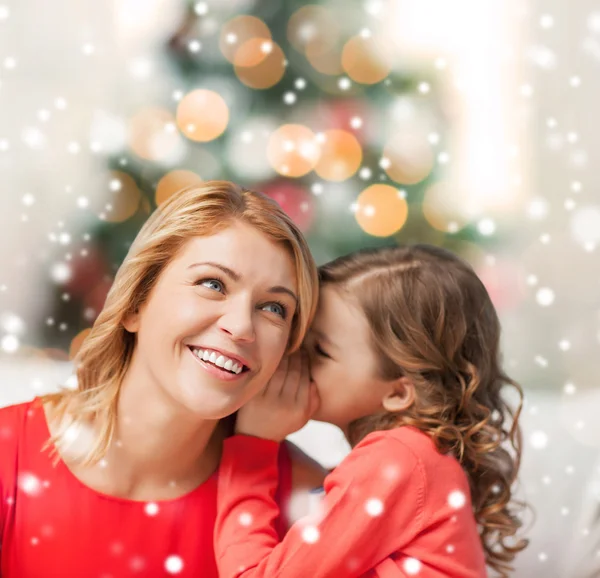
x: 240, y: 307
x: 218, y: 285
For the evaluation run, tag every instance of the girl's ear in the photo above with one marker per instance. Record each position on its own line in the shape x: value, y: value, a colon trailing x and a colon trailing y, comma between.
x: 400, y: 396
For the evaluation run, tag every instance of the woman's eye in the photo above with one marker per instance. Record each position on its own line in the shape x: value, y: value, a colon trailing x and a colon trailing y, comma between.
x: 277, y: 308
x: 213, y: 284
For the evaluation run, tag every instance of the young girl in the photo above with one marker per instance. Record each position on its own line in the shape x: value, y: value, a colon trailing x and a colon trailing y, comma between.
x: 404, y: 358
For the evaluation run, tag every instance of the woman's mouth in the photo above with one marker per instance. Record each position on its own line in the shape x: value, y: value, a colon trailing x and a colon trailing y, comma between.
x: 219, y: 364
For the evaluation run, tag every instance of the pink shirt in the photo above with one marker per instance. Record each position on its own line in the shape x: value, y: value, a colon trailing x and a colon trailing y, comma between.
x: 395, y: 507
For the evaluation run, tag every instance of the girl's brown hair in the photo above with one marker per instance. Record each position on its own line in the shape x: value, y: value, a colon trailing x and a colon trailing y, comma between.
x: 432, y: 321
x: 105, y: 355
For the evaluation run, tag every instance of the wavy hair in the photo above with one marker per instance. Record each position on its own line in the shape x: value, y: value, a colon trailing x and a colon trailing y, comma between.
x: 432, y: 320
x: 105, y: 355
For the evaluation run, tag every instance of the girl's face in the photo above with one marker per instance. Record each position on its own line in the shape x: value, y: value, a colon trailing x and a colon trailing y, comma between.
x: 217, y: 322
x: 343, y: 364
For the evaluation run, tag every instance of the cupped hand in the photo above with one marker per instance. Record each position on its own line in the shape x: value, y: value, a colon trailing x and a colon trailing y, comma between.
x: 285, y: 404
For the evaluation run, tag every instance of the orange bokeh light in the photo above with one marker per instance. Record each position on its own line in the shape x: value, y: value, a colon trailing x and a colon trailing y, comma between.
x: 239, y: 30
x: 313, y: 31
x: 293, y: 150
x: 174, y: 182
x: 408, y: 158
x: 259, y: 63
x: 152, y: 134
x: 124, y: 198
x: 381, y: 211
x: 324, y: 60
x: 341, y: 155
x: 202, y: 115
x: 312, y: 25
x: 364, y: 60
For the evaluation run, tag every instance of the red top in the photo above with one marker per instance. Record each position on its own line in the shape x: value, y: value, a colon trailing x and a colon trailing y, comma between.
x: 395, y: 507
x: 52, y: 525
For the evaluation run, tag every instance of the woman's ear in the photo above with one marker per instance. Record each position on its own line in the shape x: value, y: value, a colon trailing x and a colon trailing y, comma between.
x: 131, y: 322
x: 400, y: 396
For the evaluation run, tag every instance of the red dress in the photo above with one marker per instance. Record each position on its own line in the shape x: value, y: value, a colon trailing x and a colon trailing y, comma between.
x: 52, y: 525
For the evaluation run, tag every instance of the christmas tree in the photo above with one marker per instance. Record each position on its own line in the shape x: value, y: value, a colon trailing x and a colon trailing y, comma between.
x: 302, y: 102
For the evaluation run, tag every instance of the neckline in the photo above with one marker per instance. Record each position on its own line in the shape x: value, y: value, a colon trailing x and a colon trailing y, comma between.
x: 62, y: 465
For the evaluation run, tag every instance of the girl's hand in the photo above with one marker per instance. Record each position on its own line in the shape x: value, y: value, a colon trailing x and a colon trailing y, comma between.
x: 285, y: 404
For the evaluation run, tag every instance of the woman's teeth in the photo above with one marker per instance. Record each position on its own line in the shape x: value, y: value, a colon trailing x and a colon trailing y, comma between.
x: 218, y: 360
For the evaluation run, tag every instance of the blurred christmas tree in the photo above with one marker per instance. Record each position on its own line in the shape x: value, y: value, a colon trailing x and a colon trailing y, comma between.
x: 302, y: 102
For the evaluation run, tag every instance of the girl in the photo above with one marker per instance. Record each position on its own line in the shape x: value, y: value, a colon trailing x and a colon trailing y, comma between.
x: 404, y: 358
x: 117, y: 477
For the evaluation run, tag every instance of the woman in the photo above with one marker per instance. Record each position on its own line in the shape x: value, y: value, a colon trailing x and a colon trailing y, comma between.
x: 118, y: 476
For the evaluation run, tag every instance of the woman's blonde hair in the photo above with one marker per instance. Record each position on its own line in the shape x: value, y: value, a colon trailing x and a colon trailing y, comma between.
x: 432, y: 320
x: 105, y: 355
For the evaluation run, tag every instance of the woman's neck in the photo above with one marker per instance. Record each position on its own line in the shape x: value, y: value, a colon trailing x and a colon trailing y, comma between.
x: 159, y: 450
x: 160, y: 447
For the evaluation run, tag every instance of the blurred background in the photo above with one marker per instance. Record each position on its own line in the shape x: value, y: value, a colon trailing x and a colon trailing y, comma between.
x: 469, y: 124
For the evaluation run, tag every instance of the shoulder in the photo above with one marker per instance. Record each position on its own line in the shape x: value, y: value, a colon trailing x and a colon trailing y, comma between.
x: 12, y: 417
x: 402, y: 457
x: 403, y: 445
x: 13, y: 428
x: 441, y: 476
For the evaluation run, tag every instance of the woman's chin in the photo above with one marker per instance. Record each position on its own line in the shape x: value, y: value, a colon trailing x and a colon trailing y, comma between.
x: 208, y: 405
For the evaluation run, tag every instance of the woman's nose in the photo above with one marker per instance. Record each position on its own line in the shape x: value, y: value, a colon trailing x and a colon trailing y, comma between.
x: 238, y: 322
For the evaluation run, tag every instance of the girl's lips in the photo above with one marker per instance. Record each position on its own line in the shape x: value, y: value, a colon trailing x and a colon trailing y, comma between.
x: 222, y: 374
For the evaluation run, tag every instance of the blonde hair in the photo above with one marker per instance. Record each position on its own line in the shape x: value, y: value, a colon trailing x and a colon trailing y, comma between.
x: 105, y: 356
x: 432, y: 320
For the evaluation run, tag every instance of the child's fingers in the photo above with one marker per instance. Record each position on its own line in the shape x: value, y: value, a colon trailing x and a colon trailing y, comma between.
x: 293, y: 377
x: 277, y: 382
x: 304, y: 380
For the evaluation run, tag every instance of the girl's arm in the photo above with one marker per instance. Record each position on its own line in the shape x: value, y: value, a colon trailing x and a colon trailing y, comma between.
x: 374, y: 505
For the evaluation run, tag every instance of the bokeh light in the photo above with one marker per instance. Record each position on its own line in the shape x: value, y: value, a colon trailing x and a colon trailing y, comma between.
x: 341, y: 155
x: 295, y: 200
x: 293, y: 150
x: 312, y: 25
x: 123, y: 198
x: 314, y: 32
x: 407, y: 158
x: 237, y: 31
x: 444, y: 208
x: 326, y: 60
x: 259, y: 63
x: 153, y: 136
x: 173, y: 182
x: 381, y: 210
x: 247, y: 148
x: 202, y: 115
x: 364, y: 60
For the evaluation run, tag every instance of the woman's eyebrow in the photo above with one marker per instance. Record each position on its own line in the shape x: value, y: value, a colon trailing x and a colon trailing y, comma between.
x: 282, y: 289
x: 237, y: 277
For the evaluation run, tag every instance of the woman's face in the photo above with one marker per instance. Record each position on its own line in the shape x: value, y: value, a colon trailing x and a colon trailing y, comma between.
x: 343, y: 364
x: 217, y: 322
